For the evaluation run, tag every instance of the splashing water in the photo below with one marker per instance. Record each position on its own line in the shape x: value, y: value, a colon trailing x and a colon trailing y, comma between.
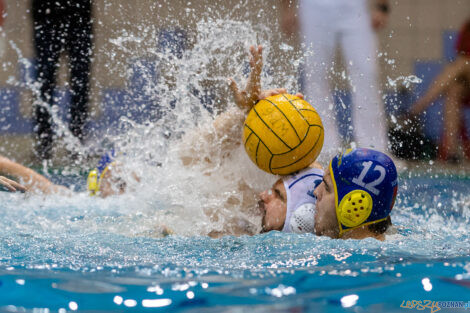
x: 183, y: 191
x: 182, y: 100
x: 406, y: 81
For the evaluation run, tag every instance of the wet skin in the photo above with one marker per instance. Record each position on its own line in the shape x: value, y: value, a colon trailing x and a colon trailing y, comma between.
x: 326, y: 222
x: 273, y: 205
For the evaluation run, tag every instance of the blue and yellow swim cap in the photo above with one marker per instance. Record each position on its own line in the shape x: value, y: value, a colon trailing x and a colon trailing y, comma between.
x: 95, y: 175
x: 365, y: 184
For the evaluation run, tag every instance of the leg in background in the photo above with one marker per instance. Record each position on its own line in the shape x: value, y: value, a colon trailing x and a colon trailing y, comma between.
x: 80, y: 50
x: 320, y: 42
x: 47, y: 46
x: 359, y: 47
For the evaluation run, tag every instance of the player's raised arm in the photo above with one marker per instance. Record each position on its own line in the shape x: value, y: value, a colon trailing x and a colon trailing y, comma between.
x: 252, y: 93
x: 248, y: 97
x: 245, y: 99
x: 224, y: 135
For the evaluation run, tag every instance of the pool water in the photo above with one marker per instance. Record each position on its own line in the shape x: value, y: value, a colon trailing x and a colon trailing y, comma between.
x: 65, y: 254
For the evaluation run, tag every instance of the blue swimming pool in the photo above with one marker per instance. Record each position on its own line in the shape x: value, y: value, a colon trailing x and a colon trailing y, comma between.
x: 66, y: 254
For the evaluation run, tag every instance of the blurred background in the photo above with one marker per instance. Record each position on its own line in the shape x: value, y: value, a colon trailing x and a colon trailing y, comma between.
x: 419, y: 39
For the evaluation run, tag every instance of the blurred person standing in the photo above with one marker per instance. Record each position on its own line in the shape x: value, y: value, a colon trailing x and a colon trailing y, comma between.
x: 349, y: 23
x: 61, y: 25
x: 454, y: 84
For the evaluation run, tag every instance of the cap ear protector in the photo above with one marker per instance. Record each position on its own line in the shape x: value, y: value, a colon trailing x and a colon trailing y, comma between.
x: 96, y: 175
x: 365, y: 185
x: 94, y: 179
x: 301, y: 200
x: 92, y: 182
x: 355, y: 208
x: 302, y: 219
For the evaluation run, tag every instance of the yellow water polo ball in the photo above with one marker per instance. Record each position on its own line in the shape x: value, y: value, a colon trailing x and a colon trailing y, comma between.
x: 283, y: 134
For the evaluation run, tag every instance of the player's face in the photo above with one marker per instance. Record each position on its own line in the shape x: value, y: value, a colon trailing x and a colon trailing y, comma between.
x: 273, y: 204
x: 326, y: 223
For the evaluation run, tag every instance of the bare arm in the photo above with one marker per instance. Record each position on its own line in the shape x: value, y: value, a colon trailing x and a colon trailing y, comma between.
x: 440, y: 84
x: 31, y: 180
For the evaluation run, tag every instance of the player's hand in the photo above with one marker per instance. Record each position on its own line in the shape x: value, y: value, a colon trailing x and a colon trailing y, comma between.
x: 248, y: 97
x: 11, y: 185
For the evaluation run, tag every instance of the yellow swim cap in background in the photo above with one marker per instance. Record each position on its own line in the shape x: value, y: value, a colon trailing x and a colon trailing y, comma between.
x: 92, y: 182
x: 95, y: 175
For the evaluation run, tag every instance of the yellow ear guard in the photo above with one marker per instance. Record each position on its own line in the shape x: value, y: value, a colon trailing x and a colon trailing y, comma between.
x: 94, y: 180
x: 354, y: 209
x: 96, y: 175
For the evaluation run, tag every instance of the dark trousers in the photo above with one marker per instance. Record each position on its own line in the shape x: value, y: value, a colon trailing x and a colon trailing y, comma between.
x: 72, y: 34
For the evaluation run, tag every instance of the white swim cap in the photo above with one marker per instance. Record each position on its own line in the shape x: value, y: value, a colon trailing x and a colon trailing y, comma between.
x: 300, y: 200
